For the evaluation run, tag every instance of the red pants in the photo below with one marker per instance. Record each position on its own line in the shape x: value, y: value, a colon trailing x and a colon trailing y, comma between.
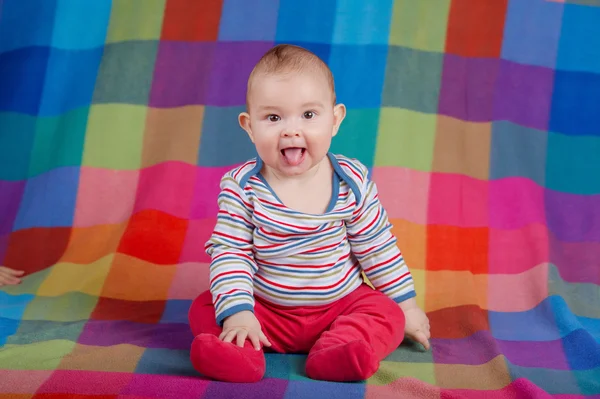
x: 345, y: 340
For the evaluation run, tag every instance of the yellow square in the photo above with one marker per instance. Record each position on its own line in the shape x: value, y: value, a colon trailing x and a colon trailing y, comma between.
x: 391, y: 371
x: 70, y: 277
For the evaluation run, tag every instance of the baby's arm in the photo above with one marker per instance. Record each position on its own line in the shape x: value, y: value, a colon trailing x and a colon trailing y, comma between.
x: 10, y: 276
x: 232, y: 266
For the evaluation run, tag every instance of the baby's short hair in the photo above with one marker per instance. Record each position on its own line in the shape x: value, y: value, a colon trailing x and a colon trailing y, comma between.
x: 288, y: 58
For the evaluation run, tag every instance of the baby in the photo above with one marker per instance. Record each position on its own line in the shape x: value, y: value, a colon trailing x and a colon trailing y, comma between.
x: 10, y: 276
x: 297, y: 229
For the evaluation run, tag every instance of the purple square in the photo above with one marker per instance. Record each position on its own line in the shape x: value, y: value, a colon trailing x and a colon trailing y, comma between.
x: 232, y: 64
x: 576, y: 262
x: 11, y: 193
x: 181, y: 73
x: 573, y: 217
x: 265, y: 388
x: 473, y: 350
x: 107, y: 333
x: 467, y: 90
x: 524, y: 94
x: 527, y: 353
x: 165, y: 386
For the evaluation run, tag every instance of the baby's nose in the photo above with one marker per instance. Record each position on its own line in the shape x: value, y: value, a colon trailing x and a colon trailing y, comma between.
x: 291, y: 133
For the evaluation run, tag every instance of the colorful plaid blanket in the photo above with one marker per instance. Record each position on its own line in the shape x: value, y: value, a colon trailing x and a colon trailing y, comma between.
x: 480, y: 121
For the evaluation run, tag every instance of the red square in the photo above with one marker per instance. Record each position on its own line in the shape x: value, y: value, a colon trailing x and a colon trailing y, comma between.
x: 458, y: 322
x: 476, y: 28
x: 135, y: 311
x: 155, y: 237
x: 457, y: 248
x: 192, y: 20
x: 36, y: 249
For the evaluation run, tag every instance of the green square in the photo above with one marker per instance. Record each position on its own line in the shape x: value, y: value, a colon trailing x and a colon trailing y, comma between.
x: 391, y: 371
x: 29, y: 284
x: 420, y: 24
x: 410, y: 352
x: 358, y: 135
x: 406, y: 139
x: 74, y: 306
x: 413, y: 79
x: 45, y: 355
x: 17, y: 133
x: 58, y: 141
x: 135, y: 20
x: 114, y: 137
x: 31, y: 331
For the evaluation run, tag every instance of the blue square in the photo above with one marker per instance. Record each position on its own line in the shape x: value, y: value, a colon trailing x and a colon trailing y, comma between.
x: 306, y: 21
x: 13, y: 306
x: 518, y: 151
x: 579, y: 47
x: 49, y: 199
x: 16, y: 142
x: 573, y: 164
x: 243, y: 20
x: 325, y: 390
x: 532, y: 31
x: 70, y: 80
x: 25, y: 23
x: 22, y: 75
x: 537, y: 324
x: 166, y: 362
x: 221, y: 130
x: 176, y: 311
x: 576, y: 103
x: 8, y: 327
x: 321, y: 50
x: 362, y: 22
x: 81, y: 24
x: 359, y: 72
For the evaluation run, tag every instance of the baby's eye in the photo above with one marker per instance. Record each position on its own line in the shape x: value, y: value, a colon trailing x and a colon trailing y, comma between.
x: 309, y: 114
x: 273, y: 118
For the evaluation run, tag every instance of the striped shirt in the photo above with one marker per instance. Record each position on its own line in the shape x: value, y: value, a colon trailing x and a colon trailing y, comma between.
x: 261, y: 248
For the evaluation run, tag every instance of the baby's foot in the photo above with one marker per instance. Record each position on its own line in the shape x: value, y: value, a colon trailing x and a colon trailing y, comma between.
x: 353, y: 361
x: 224, y: 361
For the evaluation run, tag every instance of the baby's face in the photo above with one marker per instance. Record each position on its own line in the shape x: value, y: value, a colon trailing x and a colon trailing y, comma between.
x: 291, y: 119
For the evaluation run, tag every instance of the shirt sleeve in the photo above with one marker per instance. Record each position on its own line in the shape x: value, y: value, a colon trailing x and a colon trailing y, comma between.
x: 230, y: 247
x: 375, y: 247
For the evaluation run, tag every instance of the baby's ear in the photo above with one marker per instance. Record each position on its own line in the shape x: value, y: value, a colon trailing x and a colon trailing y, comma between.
x: 244, y: 121
x: 339, y: 113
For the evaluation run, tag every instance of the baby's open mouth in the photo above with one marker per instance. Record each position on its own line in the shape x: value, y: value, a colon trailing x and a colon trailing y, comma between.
x: 293, y: 155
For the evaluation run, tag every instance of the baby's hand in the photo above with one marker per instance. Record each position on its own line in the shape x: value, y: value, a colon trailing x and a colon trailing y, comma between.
x: 417, y: 323
x: 243, y: 325
x: 10, y: 276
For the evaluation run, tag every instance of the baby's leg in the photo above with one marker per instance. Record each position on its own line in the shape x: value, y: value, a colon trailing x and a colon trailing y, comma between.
x: 369, y: 327
x: 215, y: 359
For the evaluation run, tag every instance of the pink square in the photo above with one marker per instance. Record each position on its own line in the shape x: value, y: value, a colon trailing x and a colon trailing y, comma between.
x: 516, y: 202
x: 25, y: 381
x: 458, y: 200
x: 403, y: 192
x: 517, y: 251
x: 191, y: 279
x: 167, y: 187
x: 165, y: 386
x: 105, y: 196
x: 198, y: 233
x: 207, y: 191
x: 88, y: 382
x: 527, y: 290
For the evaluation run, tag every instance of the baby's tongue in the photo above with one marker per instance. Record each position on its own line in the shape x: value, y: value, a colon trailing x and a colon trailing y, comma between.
x: 293, y: 156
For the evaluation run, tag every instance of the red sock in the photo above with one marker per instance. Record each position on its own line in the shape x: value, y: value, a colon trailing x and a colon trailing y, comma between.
x: 352, y: 361
x: 224, y: 361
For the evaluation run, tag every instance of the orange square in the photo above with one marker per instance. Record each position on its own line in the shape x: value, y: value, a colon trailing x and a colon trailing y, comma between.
x: 476, y: 28
x: 411, y: 241
x: 493, y: 375
x: 172, y: 134
x: 137, y: 280
x: 192, y: 20
x: 88, y: 244
x: 121, y: 358
x: 457, y: 248
x: 455, y: 288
